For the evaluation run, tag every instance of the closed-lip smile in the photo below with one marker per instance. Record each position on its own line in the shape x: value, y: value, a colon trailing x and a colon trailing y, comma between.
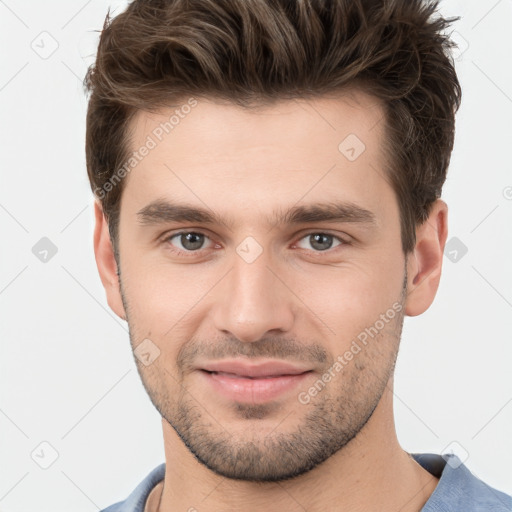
x: 271, y: 368
x: 255, y: 382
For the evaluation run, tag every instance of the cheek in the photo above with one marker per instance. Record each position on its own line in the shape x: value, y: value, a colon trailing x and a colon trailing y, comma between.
x: 348, y: 300
x: 159, y: 291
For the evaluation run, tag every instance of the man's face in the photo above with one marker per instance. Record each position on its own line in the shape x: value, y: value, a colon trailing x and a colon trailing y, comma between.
x: 248, y: 311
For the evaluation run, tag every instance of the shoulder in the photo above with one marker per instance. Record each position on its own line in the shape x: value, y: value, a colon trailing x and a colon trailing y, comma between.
x: 137, y: 499
x: 459, y: 489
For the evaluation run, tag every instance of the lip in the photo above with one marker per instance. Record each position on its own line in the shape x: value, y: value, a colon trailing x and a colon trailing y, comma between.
x: 254, y: 383
x: 255, y: 370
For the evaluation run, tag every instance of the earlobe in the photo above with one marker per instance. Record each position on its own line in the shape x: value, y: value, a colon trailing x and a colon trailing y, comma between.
x: 106, y: 262
x: 424, y: 263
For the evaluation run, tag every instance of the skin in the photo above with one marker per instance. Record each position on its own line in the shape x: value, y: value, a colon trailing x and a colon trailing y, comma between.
x: 298, y: 301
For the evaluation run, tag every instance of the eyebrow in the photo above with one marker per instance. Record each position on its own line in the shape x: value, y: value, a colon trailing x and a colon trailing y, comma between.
x: 163, y: 211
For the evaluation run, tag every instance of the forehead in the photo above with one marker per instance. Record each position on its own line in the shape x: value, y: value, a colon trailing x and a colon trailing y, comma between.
x: 232, y: 157
x: 214, y: 123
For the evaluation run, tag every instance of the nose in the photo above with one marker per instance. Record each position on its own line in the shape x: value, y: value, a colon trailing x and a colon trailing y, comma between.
x: 253, y: 301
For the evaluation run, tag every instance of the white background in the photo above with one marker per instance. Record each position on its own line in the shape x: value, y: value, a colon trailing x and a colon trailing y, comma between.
x: 66, y: 369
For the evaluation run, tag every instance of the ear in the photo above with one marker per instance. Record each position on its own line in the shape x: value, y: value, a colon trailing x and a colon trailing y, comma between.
x: 425, y: 261
x: 106, y: 263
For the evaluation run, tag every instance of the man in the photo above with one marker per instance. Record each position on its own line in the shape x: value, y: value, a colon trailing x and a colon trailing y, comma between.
x: 268, y: 178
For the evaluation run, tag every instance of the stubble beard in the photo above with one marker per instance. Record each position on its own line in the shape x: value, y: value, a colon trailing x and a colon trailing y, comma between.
x: 333, y: 418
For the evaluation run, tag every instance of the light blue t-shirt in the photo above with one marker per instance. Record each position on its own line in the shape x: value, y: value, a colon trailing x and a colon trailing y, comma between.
x: 458, y: 490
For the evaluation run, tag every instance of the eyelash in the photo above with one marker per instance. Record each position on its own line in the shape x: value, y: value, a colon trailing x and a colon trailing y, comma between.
x: 180, y: 252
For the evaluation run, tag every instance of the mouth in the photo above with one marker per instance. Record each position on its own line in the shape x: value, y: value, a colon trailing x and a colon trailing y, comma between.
x: 238, y: 376
x: 255, y: 370
x: 254, y: 383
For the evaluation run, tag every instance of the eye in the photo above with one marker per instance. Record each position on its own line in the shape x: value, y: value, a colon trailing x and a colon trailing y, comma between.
x: 189, y: 241
x: 321, y: 241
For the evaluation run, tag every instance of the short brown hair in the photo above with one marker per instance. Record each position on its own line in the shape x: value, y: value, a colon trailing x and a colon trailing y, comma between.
x: 158, y: 52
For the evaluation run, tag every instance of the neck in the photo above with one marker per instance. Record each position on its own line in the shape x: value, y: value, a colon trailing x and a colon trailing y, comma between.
x: 371, y: 472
